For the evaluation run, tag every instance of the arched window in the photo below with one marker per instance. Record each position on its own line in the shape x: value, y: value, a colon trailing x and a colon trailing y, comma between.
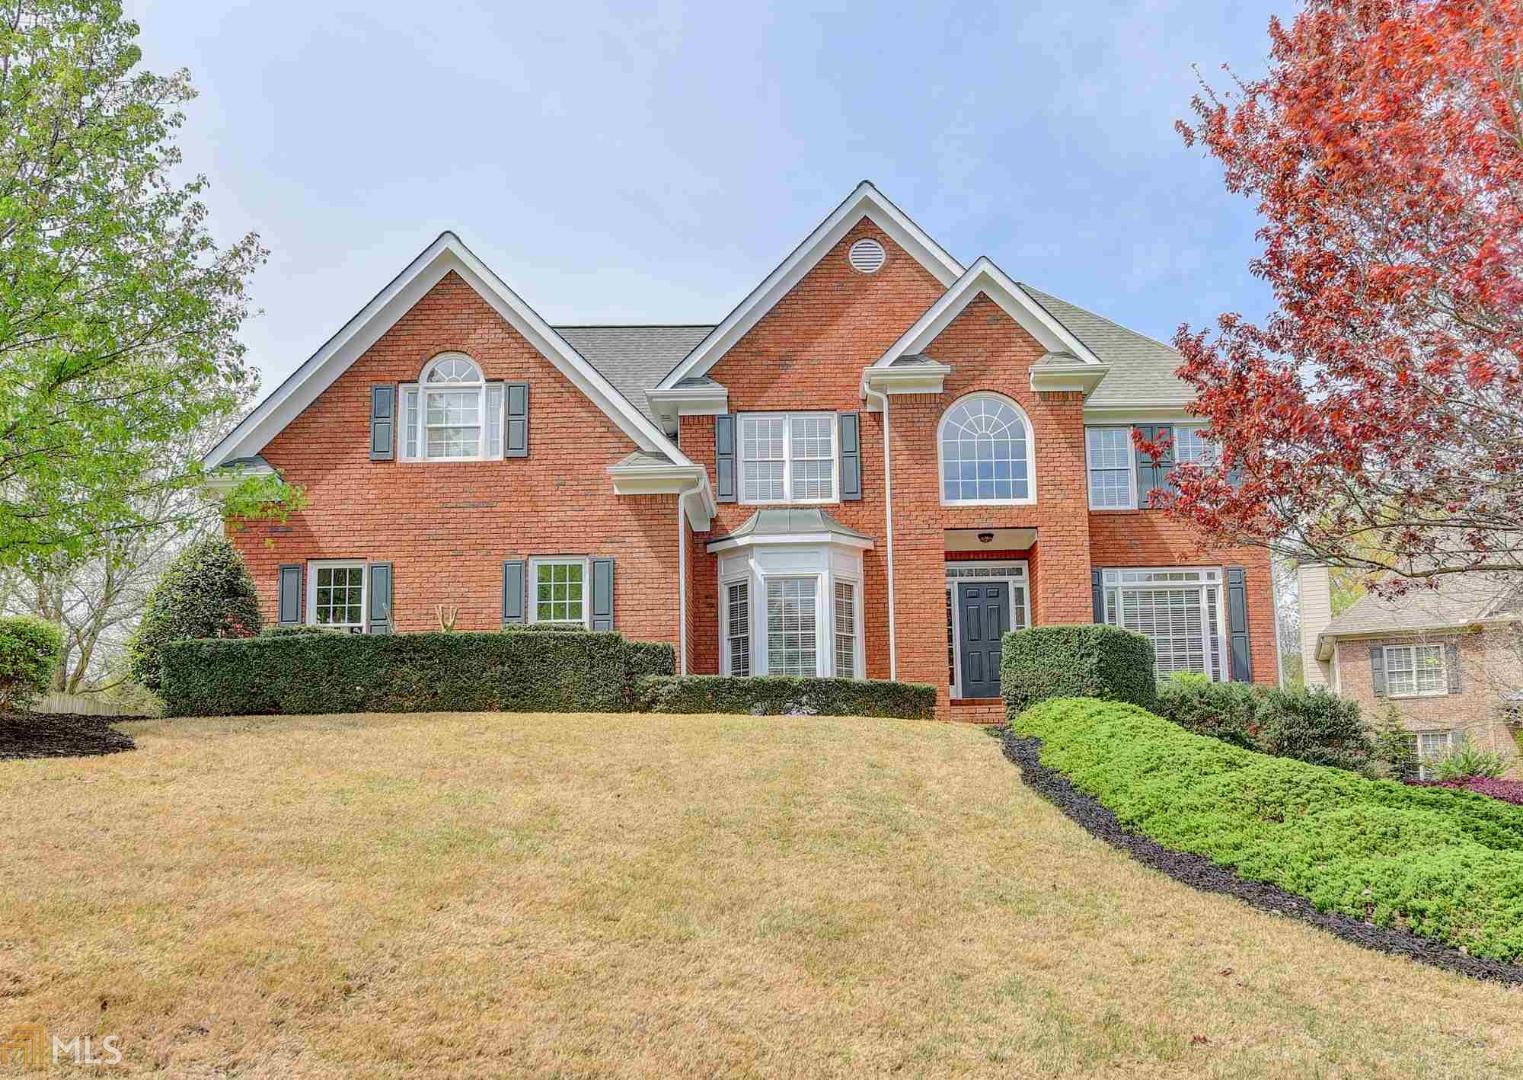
x: 452, y: 413
x: 985, y: 451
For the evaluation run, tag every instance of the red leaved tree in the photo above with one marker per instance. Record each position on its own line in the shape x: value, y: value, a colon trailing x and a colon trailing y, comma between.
x: 1375, y: 419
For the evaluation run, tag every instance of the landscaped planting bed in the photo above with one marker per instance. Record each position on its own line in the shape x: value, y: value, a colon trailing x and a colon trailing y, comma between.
x: 50, y: 735
x: 1509, y: 791
x: 1428, y: 866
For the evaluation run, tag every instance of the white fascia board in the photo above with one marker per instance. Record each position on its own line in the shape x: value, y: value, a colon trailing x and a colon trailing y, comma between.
x: 1140, y: 412
x: 688, y: 401
x: 927, y: 378
x: 1077, y: 377
x: 984, y: 277
x: 669, y: 480
x: 866, y: 201
x: 828, y: 539
x: 445, y: 254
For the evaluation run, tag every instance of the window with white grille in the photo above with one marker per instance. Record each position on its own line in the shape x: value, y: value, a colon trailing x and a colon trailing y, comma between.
x: 1432, y: 747
x: 845, y: 630
x: 452, y: 413
x: 787, y: 457
x: 1415, y: 671
x: 985, y: 452
x: 560, y: 590
x: 1109, y: 453
x: 738, y: 628
x: 791, y: 648
x: 1178, y: 610
x: 338, y: 596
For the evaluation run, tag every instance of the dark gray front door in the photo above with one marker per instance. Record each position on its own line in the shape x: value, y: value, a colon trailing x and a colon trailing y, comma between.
x: 984, y: 612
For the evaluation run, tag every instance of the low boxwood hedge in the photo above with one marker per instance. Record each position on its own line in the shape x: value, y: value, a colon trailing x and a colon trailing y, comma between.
x: 785, y: 695
x: 1444, y: 864
x: 579, y: 671
x: 1082, y: 660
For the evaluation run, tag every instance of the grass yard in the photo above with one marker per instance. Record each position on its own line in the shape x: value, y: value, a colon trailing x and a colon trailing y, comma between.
x: 479, y: 894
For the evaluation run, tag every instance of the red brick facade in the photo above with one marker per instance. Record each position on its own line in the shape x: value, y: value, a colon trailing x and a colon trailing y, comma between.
x: 447, y: 527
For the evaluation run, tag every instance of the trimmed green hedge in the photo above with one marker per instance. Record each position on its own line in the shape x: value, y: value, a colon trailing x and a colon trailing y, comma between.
x: 786, y: 695
x: 1082, y: 660
x: 1444, y: 864
x: 334, y: 673
x: 1308, y: 724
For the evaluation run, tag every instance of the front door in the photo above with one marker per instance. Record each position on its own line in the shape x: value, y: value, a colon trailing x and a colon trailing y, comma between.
x: 984, y: 612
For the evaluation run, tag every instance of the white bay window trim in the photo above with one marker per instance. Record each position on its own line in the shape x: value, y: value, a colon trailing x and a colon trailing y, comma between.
x: 338, y: 591
x: 565, y: 592
x: 759, y: 583
x: 1182, y: 610
x: 781, y: 453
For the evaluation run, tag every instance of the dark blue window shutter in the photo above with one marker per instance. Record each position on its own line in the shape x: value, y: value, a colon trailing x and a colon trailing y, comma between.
x: 383, y: 422
x: 724, y: 458
x: 1452, y: 666
x: 602, y: 594
x: 1237, y: 624
x: 289, y: 602
x: 1378, y: 669
x: 1153, y: 474
x: 513, y: 592
x: 1097, y: 595
x: 851, y: 456
x: 378, y: 617
x: 516, y: 442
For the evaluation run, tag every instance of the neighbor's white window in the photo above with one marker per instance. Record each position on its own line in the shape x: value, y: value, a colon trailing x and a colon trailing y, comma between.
x: 452, y: 413
x: 1192, y: 447
x: 336, y: 595
x: 845, y: 630
x: 1178, y: 610
x: 1415, y: 671
x: 787, y: 457
x: 791, y: 642
x: 737, y: 599
x: 1108, y: 451
x: 1432, y: 747
x: 985, y: 443
x: 560, y: 590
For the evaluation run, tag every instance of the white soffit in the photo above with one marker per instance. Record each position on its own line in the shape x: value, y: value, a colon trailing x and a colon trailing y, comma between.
x: 984, y: 277
x: 866, y: 201
x: 445, y: 254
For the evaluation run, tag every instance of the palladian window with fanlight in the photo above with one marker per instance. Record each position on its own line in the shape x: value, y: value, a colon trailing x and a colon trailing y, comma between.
x: 985, y: 442
x: 452, y: 413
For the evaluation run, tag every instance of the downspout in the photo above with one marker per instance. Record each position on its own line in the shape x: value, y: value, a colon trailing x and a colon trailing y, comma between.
x: 682, y: 497
x: 888, y: 528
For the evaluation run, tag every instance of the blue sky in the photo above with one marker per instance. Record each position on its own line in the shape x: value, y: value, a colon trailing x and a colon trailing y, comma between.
x: 651, y: 163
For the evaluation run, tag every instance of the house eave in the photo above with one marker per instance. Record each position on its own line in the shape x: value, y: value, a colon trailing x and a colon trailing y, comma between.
x: 669, y: 405
x: 926, y: 378
x: 1077, y: 378
x: 671, y: 479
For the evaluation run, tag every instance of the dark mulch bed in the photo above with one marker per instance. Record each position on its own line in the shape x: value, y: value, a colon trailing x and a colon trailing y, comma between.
x: 1200, y: 872
x: 45, y: 735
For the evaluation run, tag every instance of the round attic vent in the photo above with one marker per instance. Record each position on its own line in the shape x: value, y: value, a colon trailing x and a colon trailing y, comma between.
x: 866, y: 256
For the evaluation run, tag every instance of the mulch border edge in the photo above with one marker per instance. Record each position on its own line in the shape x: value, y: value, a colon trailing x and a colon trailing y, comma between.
x: 1201, y: 873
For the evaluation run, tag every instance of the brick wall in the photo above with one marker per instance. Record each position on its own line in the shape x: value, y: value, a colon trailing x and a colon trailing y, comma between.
x: 447, y: 526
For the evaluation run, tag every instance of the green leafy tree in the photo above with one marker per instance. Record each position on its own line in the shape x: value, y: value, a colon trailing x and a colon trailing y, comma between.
x: 29, y: 650
x: 206, y: 592
x: 1395, y: 746
x: 118, y: 311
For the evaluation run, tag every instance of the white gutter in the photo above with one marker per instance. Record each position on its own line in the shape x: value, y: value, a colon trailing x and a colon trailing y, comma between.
x: 888, y: 528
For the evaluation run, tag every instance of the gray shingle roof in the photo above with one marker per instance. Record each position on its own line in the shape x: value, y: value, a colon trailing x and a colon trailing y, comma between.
x: 634, y: 358
x: 1458, y: 600
x: 1142, y: 370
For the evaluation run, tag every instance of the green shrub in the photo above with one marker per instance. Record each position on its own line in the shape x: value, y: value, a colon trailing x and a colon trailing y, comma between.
x: 1467, y: 762
x: 787, y: 695
x: 1088, y: 660
x: 1306, y: 724
x: 30, y: 650
x: 205, y: 593
x: 458, y: 671
x: 1446, y: 864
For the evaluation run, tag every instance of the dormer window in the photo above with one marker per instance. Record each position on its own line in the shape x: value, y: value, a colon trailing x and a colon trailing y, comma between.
x: 452, y: 413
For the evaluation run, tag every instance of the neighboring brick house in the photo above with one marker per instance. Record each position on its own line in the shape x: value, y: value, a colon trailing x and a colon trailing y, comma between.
x: 1448, y: 659
x: 875, y: 465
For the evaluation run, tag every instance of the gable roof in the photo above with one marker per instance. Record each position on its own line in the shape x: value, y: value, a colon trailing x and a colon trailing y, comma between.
x: 634, y: 358
x: 1142, y: 370
x: 1455, y: 601
x: 445, y: 255
x: 985, y: 278
x: 865, y: 201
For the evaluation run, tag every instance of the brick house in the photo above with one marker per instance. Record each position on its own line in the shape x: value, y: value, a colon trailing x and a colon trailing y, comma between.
x: 875, y: 465
x: 1448, y: 660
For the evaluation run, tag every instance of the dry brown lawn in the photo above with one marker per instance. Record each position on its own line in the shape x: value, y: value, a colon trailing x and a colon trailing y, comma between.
x: 457, y: 895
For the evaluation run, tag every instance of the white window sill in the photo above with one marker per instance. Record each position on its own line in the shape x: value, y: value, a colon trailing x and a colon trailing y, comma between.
x: 1417, y: 695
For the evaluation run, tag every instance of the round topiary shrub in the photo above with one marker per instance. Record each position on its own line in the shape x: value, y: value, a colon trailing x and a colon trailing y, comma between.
x: 206, y: 593
x: 29, y: 655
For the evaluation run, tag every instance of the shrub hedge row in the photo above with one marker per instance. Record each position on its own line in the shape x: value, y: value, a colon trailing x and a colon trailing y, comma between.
x: 1444, y: 864
x: 578, y: 671
x: 1309, y: 725
x: 783, y: 695
x: 1085, y: 660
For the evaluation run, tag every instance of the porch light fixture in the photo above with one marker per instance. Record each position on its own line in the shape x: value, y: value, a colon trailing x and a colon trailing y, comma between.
x: 986, y: 538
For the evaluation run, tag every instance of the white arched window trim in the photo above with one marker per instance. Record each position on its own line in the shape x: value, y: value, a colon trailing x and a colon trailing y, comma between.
x: 1030, y: 444
x: 451, y: 413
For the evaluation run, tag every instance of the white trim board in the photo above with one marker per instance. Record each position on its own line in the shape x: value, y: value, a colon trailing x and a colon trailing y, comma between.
x: 447, y: 253
x: 865, y: 201
x: 984, y: 277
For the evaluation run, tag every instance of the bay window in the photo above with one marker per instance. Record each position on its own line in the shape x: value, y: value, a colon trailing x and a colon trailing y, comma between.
x: 1180, y: 610
x: 845, y: 629
x: 787, y: 457
x: 792, y: 638
x: 737, y: 623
